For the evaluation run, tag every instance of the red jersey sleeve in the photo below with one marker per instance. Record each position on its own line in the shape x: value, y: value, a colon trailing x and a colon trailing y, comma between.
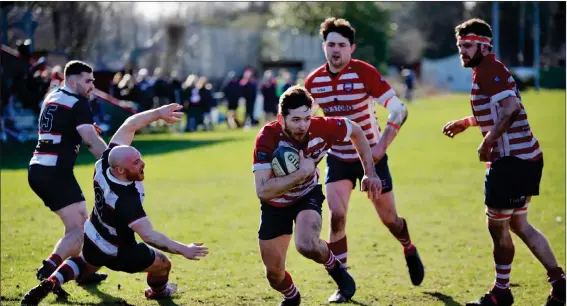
x: 497, y: 83
x: 375, y: 83
x: 337, y: 128
x: 263, y: 149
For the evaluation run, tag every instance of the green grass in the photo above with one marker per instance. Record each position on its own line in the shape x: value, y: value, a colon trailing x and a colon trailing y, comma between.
x: 199, y: 187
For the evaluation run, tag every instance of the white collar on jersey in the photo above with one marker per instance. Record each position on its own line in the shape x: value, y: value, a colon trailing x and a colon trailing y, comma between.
x: 115, y: 180
x: 68, y: 89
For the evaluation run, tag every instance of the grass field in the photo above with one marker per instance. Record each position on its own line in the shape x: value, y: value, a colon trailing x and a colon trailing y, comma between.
x: 199, y: 187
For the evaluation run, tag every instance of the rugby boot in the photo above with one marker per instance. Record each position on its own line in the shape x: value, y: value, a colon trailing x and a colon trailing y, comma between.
x: 494, y: 298
x: 43, y: 273
x: 347, y: 285
x: 557, y: 295
x: 38, y: 293
x: 553, y: 301
x: 415, y: 266
x: 169, y: 290
x: 292, y: 302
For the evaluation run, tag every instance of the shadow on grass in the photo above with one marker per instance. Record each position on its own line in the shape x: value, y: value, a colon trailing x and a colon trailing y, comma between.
x: 17, y: 155
x: 447, y: 300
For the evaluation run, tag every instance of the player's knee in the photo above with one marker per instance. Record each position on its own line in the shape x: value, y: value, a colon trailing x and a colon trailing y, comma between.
x: 500, y: 234
x: 275, y: 275
x: 164, y: 263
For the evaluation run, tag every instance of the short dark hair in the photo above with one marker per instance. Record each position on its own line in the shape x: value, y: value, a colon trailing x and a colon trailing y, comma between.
x: 473, y: 26
x: 294, y: 97
x: 340, y: 26
x: 76, y: 68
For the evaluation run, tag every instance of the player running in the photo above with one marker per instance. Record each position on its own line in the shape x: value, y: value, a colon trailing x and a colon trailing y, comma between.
x: 66, y: 119
x: 516, y: 162
x: 349, y: 88
x: 298, y: 196
x: 118, y: 214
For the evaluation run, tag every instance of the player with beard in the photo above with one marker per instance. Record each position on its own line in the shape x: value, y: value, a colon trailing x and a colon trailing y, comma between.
x: 350, y: 88
x: 516, y: 162
x: 298, y: 196
x: 118, y: 214
x: 65, y: 120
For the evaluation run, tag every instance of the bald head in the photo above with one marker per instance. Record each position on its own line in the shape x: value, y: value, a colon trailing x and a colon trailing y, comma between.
x: 121, y: 156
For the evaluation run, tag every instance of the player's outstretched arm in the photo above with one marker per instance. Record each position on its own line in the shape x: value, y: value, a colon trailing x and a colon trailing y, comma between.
x: 160, y: 241
x: 269, y: 187
x: 398, y: 114
x: 91, y: 138
x: 125, y: 134
x: 455, y: 127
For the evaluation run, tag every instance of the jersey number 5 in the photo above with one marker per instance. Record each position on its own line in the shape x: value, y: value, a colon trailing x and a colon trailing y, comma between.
x: 46, y: 122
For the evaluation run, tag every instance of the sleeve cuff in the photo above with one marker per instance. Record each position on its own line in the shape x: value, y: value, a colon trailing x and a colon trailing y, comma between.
x: 502, y: 95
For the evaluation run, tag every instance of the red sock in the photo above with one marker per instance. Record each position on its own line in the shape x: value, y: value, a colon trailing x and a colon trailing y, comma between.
x: 404, y: 237
x: 69, y: 270
x: 158, y: 283
x: 287, y: 288
x: 331, y: 261
x: 339, y: 249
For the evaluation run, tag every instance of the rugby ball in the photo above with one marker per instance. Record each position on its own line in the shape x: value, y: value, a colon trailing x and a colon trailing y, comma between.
x: 285, y: 160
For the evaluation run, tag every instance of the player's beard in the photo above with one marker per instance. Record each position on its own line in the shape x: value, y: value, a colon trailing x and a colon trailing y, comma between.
x: 293, y: 135
x: 475, y: 60
x: 336, y: 61
x: 135, y: 176
x: 83, y: 92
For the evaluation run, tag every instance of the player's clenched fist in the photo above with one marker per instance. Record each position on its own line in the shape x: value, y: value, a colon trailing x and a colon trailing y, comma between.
x: 306, y: 164
x: 454, y: 127
x: 195, y: 250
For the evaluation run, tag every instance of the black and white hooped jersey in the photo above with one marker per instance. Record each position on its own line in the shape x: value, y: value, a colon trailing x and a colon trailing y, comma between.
x: 62, y: 114
x: 118, y: 206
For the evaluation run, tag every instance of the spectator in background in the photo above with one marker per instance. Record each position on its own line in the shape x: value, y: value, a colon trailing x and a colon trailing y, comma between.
x: 175, y: 88
x: 268, y: 90
x: 409, y: 79
x: 205, y: 103
x: 249, y: 89
x: 126, y: 87
x: 287, y: 81
x: 232, y: 94
x: 56, y: 78
x: 300, y: 79
x: 144, y: 90
x: 280, y: 82
x: 113, y: 89
x: 191, y: 102
x: 161, y: 88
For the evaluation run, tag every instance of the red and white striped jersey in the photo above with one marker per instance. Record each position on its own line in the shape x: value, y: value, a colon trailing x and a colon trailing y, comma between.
x: 351, y: 93
x: 492, y: 82
x: 323, y: 132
